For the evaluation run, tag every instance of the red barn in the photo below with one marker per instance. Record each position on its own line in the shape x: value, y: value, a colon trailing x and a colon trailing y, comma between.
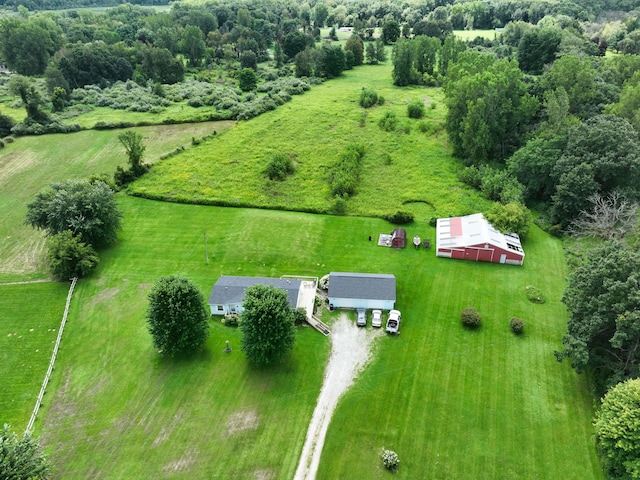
x: 473, y: 238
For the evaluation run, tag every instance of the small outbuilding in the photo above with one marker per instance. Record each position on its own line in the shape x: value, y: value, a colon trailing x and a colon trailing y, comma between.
x: 472, y: 237
x: 227, y: 294
x: 362, y: 290
x: 399, y: 238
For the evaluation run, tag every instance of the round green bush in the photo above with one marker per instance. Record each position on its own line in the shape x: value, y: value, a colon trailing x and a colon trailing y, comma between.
x: 470, y: 318
x: 279, y: 167
x: 517, y: 325
x: 415, y: 109
x: 368, y: 98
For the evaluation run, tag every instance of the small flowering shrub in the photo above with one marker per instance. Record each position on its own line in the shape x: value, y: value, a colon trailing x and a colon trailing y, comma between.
x: 390, y: 459
x: 534, y: 295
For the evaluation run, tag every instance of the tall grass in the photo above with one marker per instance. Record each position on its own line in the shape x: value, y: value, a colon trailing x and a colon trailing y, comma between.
x: 398, y: 167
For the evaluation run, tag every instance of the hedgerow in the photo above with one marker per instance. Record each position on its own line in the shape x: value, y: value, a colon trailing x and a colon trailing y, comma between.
x: 346, y: 172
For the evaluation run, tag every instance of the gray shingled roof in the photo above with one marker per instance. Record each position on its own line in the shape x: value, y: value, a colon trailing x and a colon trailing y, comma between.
x: 370, y: 286
x: 230, y: 289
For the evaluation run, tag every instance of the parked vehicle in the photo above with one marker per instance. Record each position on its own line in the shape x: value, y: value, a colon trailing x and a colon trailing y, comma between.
x: 362, y: 318
x: 376, y: 318
x: 393, y: 322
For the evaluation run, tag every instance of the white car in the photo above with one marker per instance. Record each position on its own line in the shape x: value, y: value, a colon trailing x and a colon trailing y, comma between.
x: 393, y: 322
x: 376, y: 318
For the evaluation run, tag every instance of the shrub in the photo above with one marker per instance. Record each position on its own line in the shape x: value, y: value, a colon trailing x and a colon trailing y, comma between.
x: 299, y: 316
x: 346, y: 171
x: 339, y: 205
x: 279, y: 167
x: 517, y: 325
x: 399, y: 218
x: 368, y: 98
x: 534, y: 295
x: 470, y: 318
x: 390, y: 459
x: 433, y: 221
x: 389, y: 122
x: 415, y: 109
x: 232, y: 320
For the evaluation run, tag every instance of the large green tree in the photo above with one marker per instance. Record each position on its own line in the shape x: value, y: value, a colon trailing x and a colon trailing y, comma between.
x: 602, y: 156
x: 268, y: 332
x: 88, y: 210
x: 69, y: 257
x: 21, y: 458
x: 390, y: 31
x: 603, y: 301
x: 489, y: 108
x: 192, y: 45
x: 26, y: 89
x: 537, y: 48
x: 617, y: 430
x: 27, y: 45
x: 176, y: 316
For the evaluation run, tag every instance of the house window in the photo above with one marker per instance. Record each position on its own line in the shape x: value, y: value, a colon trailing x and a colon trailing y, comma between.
x: 220, y: 308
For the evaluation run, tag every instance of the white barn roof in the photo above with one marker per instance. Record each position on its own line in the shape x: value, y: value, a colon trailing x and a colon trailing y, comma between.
x: 470, y: 230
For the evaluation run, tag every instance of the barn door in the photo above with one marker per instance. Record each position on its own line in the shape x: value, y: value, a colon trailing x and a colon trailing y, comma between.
x: 503, y: 258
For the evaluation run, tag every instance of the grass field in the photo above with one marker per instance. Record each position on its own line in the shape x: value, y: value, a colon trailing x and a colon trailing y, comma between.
x: 30, y: 315
x: 314, y: 129
x: 29, y: 164
x: 453, y: 403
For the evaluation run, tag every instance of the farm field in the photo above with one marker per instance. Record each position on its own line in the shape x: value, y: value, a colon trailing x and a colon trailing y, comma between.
x: 464, y: 403
x: 30, y: 316
x: 453, y: 403
x: 29, y: 164
x: 405, y: 169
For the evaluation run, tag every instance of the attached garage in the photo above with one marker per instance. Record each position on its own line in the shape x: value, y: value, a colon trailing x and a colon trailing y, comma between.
x: 472, y: 237
x: 362, y: 290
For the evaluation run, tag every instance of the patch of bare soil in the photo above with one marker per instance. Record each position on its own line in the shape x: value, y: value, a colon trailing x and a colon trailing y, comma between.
x: 264, y: 474
x: 241, y: 421
x: 350, y: 352
x: 104, y: 296
x: 167, y: 429
x: 181, y: 464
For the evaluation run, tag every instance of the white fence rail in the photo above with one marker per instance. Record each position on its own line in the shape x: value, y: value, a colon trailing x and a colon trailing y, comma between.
x: 53, y: 358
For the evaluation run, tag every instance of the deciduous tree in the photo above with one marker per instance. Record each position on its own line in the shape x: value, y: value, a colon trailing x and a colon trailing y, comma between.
x: 603, y: 300
x: 268, y: 332
x: 617, y: 430
x: 88, y: 210
x: 176, y: 316
x: 69, y: 257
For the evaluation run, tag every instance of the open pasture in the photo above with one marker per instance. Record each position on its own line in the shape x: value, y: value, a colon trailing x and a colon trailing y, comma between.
x: 30, y: 164
x: 453, y: 403
x: 30, y: 316
x: 402, y: 169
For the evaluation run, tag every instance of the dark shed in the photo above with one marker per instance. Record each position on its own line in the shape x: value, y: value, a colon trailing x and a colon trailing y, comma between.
x: 398, y: 238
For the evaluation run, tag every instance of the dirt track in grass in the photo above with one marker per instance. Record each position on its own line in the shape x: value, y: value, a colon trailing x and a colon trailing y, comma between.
x: 350, y: 353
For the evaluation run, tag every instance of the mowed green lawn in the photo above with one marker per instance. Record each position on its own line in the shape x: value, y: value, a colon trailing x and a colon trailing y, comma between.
x: 30, y: 164
x: 30, y: 316
x: 402, y: 166
x: 453, y: 403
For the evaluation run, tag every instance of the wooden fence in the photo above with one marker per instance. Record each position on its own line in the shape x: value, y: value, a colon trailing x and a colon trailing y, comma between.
x: 53, y: 358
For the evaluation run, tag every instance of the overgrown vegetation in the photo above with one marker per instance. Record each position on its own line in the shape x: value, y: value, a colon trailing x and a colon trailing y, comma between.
x: 346, y: 171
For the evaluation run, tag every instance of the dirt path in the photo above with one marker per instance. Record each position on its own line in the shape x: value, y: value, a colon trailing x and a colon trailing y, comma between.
x: 350, y: 352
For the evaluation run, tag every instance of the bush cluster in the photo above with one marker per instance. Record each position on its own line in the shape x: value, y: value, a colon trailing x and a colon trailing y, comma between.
x: 290, y: 85
x: 415, y: 109
x: 34, y: 128
x: 299, y: 316
x: 389, y: 122
x: 399, y: 218
x: 121, y: 96
x: 346, y: 172
x: 369, y: 98
x: 279, y: 167
x: 471, y: 318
